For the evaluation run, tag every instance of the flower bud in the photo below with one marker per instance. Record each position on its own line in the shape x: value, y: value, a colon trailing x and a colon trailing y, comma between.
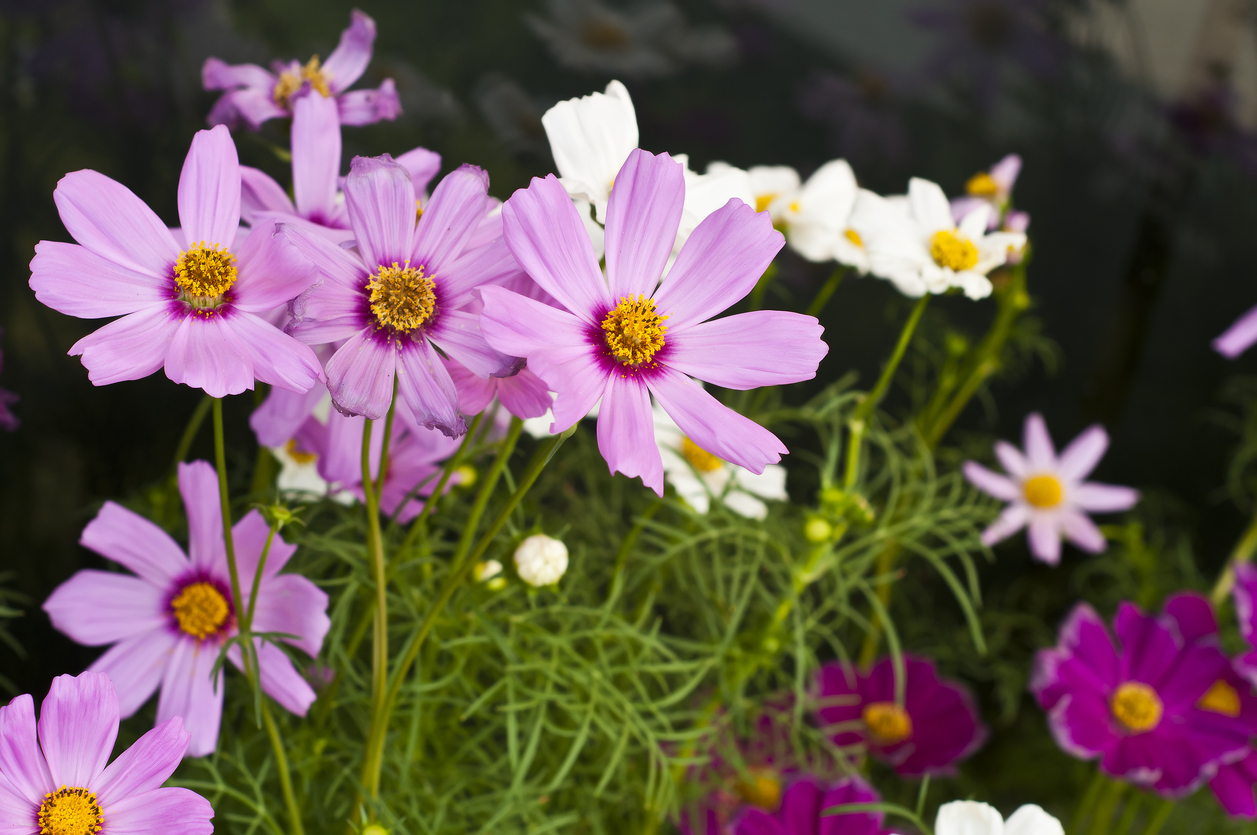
x: 541, y: 560
x: 818, y: 530
x: 374, y: 829
x: 487, y: 570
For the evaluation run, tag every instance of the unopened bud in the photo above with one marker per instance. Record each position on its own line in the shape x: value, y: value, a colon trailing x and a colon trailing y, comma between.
x: 818, y: 530
x: 374, y: 829
x: 541, y: 560
x: 465, y: 475
x: 487, y: 570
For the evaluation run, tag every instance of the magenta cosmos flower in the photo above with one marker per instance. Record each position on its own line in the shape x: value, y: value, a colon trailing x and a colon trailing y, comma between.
x: 167, y: 625
x: 403, y: 293
x: 622, y: 338
x: 255, y: 95
x: 802, y: 808
x: 1152, y: 711
x: 194, y: 306
x: 55, y: 777
x: 1233, y: 694
x: 1046, y: 491
x: 936, y: 726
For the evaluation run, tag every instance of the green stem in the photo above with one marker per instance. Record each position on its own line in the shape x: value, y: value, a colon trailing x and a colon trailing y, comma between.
x: 858, y: 424
x: 1102, y: 822
x: 873, y: 638
x: 194, y: 426
x: 1129, y: 814
x: 375, y: 552
x: 1159, y: 817
x: 388, y: 437
x: 1083, y: 810
x: 247, y: 624
x: 455, y: 461
x: 757, y: 293
x: 1242, y: 553
x: 827, y: 290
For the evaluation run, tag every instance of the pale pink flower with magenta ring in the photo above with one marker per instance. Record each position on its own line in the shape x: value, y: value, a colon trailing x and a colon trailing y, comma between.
x: 166, y: 625
x: 55, y: 776
x: 195, y: 307
x: 621, y: 339
x: 1046, y: 492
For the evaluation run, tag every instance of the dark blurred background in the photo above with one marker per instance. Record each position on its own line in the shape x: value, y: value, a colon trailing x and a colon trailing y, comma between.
x: 1134, y: 118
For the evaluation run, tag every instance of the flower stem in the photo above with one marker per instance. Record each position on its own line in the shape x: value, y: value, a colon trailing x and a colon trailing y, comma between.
x: 455, y: 461
x: 827, y: 290
x: 1129, y: 814
x: 194, y: 426
x: 1083, y: 810
x: 1242, y: 553
x: 1159, y: 817
x: 858, y: 424
x: 1102, y: 821
x: 375, y: 553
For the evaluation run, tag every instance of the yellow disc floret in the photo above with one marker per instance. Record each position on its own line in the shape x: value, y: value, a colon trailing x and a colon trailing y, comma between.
x: 699, y: 458
x: 289, y: 83
x: 204, y: 274
x: 763, y: 201
x: 982, y: 184
x: 402, y: 297
x: 1136, y: 706
x: 69, y: 811
x: 951, y: 250
x: 318, y: 78
x: 760, y: 788
x: 1221, y: 698
x: 634, y: 331
x: 201, y: 609
x: 296, y: 453
x: 854, y: 237
x: 887, y: 722
x: 1043, y: 491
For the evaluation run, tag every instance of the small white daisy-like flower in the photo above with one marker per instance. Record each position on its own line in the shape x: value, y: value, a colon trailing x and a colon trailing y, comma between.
x: 698, y: 476
x: 967, y: 817
x: 541, y: 560
x: 1046, y: 491
x: 590, y: 138
x: 923, y: 250
x: 707, y: 192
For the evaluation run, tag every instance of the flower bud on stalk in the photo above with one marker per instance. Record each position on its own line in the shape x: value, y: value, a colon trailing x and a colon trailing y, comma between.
x: 541, y: 560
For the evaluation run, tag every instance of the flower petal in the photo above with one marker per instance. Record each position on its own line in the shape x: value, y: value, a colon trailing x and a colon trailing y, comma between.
x: 1192, y: 615
x: 73, y: 280
x: 457, y: 334
x: 134, y: 542
x: 198, y: 485
x: 451, y: 216
x: 360, y: 376
x: 291, y: 604
x: 107, y: 218
x: 1040, y: 454
x: 1012, y: 460
x: 1234, y: 341
x: 282, y: 413
x: 482, y: 265
x: 260, y: 193
x: 1078, y: 459
x: 366, y: 107
x: 145, y: 765
x: 423, y: 165
x: 1045, y: 538
x: 626, y: 434
x: 208, y: 354
x: 209, y: 189
x: 280, y: 679
x: 129, y: 348
x: 968, y: 817
x: 349, y: 59
x: 1032, y: 820
x: 474, y: 393
x: 78, y: 723
x: 216, y: 74
x: 548, y: 239
x: 1149, y: 649
x: 591, y: 137
x: 1103, y: 498
x: 381, y: 206
x: 250, y: 535
x: 189, y: 690
x: 425, y: 385
x: 643, y: 215
x: 747, y: 350
x: 1081, y: 531
x: 1012, y: 519
x: 136, y: 666
x: 1001, y: 487
x: 252, y: 105
x: 929, y: 205
x: 277, y: 358
x: 316, y: 147
x: 100, y: 607
x: 21, y: 761
x: 161, y: 810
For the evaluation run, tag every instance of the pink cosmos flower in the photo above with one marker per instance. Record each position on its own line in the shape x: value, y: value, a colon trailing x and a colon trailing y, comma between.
x: 1047, y: 493
x: 194, y: 306
x: 623, y: 338
x: 1239, y: 337
x: 167, y: 625
x: 523, y: 395
x: 56, y: 777
x: 255, y: 95
x: 405, y: 289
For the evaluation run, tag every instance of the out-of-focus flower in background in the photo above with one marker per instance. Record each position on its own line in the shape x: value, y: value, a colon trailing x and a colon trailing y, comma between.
x: 862, y: 112
x: 512, y: 114
x: 8, y: 421
x: 968, y: 817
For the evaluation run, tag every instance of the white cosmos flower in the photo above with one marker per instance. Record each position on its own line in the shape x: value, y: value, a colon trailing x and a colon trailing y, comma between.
x: 966, y: 817
x: 698, y: 476
x: 705, y: 193
x: 815, y: 215
x: 590, y: 138
x: 923, y: 250
x: 299, y: 471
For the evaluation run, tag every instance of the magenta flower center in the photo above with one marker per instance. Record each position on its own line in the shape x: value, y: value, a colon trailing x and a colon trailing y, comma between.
x: 1043, y: 491
x: 402, y: 297
x: 887, y: 722
x: 699, y: 458
x: 634, y: 331
x: 1221, y: 698
x: 204, y: 274
x: 69, y: 811
x: 950, y: 250
x: 200, y: 609
x: 1137, y: 707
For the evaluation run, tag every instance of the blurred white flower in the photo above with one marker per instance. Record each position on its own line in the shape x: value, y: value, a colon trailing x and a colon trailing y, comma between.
x: 590, y: 138
x: 705, y: 193
x: 487, y: 570
x: 512, y: 114
x: 541, y: 560
x: 966, y: 817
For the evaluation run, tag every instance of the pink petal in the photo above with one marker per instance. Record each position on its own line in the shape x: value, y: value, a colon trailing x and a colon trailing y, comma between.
x: 280, y: 679
x: 360, y: 375
x: 207, y: 353
x: 160, y: 810
x: 145, y: 765
x: 198, y: 485
x: 1012, y: 519
x: 457, y: 334
x: 1083, y: 453
x: 188, y: 690
x: 714, y: 426
x: 381, y: 210
x: 75, y: 281
x: 209, y: 189
x: 336, y: 264
x: 137, y: 544
x: 991, y: 483
x: 260, y: 193
x: 524, y: 395
x: 1045, y: 538
x: 748, y: 350
x: 1236, y: 339
x: 1095, y: 497
x: 100, y: 607
x: 136, y: 666
x: 78, y: 723
x: 219, y: 75
x: 626, y: 432
x: 474, y: 393
x: 252, y: 105
x: 1081, y: 531
x: 366, y: 107
x: 548, y: 239
x: 249, y: 536
x: 425, y: 385
x: 719, y: 264
x: 315, y: 156
x: 107, y: 218
x: 449, y: 218
x: 1014, y: 463
x: 282, y: 413
x: 643, y: 216
x: 1040, y: 453
x: 20, y: 758
x: 129, y: 348
x: 423, y: 165
x: 278, y: 359
x: 291, y: 604
x: 349, y: 60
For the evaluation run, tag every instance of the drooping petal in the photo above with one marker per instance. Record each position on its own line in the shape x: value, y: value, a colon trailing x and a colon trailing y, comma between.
x: 1012, y: 519
x: 425, y: 385
x: 137, y: 544
x: 145, y: 765
x: 73, y: 280
x: 107, y: 218
x: 366, y: 107
x: 719, y: 264
x: 360, y: 376
x: 1095, y: 497
x: 189, y: 690
x: 643, y: 214
x: 450, y: 217
x: 136, y: 667
x: 1001, y: 487
x: 748, y: 350
x: 423, y: 165
x: 1078, y: 459
x: 293, y: 605
x: 168, y: 809
x: 548, y: 239
x: 277, y: 358
x: 474, y: 393
x: 78, y: 724
x: 100, y: 607
x: 21, y: 761
x: 129, y: 348
x: 525, y: 395
x: 381, y: 206
x: 260, y: 193
x: 316, y: 147
x: 626, y: 435
x: 209, y: 189
x: 208, y: 354
x: 280, y: 679
x: 1081, y: 531
x: 457, y: 334
x: 1234, y: 341
x: 1045, y: 538
x: 198, y: 485
x: 1040, y: 453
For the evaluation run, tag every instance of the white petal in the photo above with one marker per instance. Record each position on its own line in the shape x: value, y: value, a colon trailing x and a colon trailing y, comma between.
x: 966, y: 817
x: 929, y: 206
x: 1032, y: 820
x: 592, y: 136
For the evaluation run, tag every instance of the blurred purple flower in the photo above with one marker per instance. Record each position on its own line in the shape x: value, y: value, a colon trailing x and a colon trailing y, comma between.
x: 8, y: 420
x: 861, y: 112
x: 802, y: 811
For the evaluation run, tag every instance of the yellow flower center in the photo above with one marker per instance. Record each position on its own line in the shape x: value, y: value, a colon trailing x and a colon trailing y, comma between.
x: 402, y: 298
x: 418, y: 211
x: 291, y: 81
x: 604, y: 34
x: 633, y: 330
x: 1043, y: 490
x: 200, y: 609
x: 699, y: 458
x: 71, y: 811
x: 982, y: 185
x: 794, y: 206
x: 288, y: 84
x: 1136, y: 706
x: 854, y: 237
x: 204, y: 274
x: 760, y: 788
x: 762, y: 201
x: 298, y: 454
x: 887, y: 722
x: 318, y: 78
x: 1221, y: 698
x: 950, y: 250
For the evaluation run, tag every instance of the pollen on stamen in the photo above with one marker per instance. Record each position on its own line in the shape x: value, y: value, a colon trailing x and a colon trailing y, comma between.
x: 950, y: 250
x: 982, y: 184
x: 634, y: 331
x: 204, y: 273
x: 69, y: 811
x: 402, y: 297
x: 200, y: 610
x: 317, y: 77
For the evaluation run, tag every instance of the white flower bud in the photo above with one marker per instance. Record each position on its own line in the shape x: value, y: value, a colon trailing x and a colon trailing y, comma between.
x: 541, y: 560
x: 487, y: 570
